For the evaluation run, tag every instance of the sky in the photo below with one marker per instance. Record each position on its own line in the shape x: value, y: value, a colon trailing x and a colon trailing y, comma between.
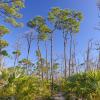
x: 42, y: 7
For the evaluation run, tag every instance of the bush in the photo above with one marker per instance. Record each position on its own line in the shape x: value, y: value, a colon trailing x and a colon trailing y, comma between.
x: 83, y: 86
x: 25, y: 88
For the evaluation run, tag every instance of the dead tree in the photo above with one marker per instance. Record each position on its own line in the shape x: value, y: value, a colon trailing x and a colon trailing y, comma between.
x: 73, y: 57
x: 98, y: 49
x: 29, y: 39
x: 88, y: 66
x: 17, y: 47
x: 28, y: 36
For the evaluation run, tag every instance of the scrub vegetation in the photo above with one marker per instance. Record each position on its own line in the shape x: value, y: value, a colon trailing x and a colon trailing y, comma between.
x: 49, y: 74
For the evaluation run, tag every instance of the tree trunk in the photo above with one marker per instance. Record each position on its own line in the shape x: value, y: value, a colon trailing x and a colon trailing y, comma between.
x: 65, y: 63
x: 71, y: 39
x: 73, y: 57
x: 15, y: 60
x: 40, y: 61
x: 28, y: 51
x: 88, y: 56
x: 15, y: 64
x: 0, y: 59
x: 46, y: 58
x: 52, y: 63
x: 98, y: 65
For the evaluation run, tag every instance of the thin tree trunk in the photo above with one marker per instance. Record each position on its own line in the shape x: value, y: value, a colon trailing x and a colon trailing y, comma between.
x: 28, y: 51
x: 70, y: 54
x: 98, y: 65
x: 38, y: 57
x: 87, y: 61
x: 65, y: 63
x: 0, y: 59
x: 52, y: 64
x: 15, y: 64
x: 73, y: 57
x: 0, y: 63
x: 46, y: 58
x: 40, y: 60
x: 51, y: 77
x: 29, y: 41
x: 15, y: 60
x: 88, y: 55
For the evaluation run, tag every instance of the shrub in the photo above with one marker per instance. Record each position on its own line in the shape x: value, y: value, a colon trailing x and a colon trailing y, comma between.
x: 83, y: 86
x: 25, y: 88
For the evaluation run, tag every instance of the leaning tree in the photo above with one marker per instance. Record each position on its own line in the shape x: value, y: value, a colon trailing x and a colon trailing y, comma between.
x: 68, y: 21
x: 44, y: 36
x: 39, y: 25
x: 3, y: 43
x: 9, y: 11
x: 72, y: 27
x: 52, y: 19
x: 58, y: 17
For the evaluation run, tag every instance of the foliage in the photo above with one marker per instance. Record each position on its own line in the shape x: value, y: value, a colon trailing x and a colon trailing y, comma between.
x: 25, y: 62
x: 80, y: 86
x: 17, y: 52
x: 3, y: 30
x: 15, y: 82
x: 3, y: 43
x: 31, y: 87
x: 66, y: 19
x: 83, y: 86
x: 4, y: 53
x: 10, y: 11
x: 39, y: 25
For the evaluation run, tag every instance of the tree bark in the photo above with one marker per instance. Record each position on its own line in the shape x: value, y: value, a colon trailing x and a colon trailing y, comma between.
x: 65, y: 63
x: 71, y: 39
x: 52, y: 63
x: 15, y: 60
x: 46, y: 50
x: 40, y: 60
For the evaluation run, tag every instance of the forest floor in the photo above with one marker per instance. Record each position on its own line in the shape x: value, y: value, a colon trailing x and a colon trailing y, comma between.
x: 59, y: 96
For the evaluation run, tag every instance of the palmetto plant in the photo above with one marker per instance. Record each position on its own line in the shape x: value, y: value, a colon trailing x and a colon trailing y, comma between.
x: 30, y: 87
x: 83, y: 86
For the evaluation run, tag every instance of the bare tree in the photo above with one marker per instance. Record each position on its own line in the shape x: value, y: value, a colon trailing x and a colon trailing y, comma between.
x: 17, y: 51
x: 88, y: 67
x: 73, y: 56
x: 29, y: 39
x: 98, y: 60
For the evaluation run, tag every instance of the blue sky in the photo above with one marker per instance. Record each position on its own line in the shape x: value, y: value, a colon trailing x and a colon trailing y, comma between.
x: 41, y: 7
